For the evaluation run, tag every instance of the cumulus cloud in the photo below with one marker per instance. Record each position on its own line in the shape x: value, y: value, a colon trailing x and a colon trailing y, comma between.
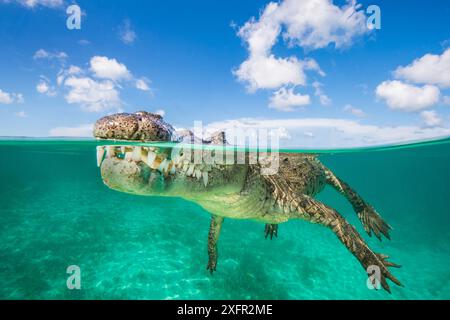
x: 431, y: 118
x: 286, y: 100
x: 406, y: 97
x: 354, y: 111
x: 143, y: 84
x: 5, y: 97
x: 92, y: 95
x: 43, y: 54
x: 96, y: 88
x: 64, y: 73
x: 35, y: 3
x: 126, y: 33
x: 106, y: 68
x: 263, y: 72
x: 84, y: 130
x: 331, y: 132
x: 429, y: 69
x: 10, y: 98
x: 44, y: 87
x: 318, y: 92
x: 311, y: 24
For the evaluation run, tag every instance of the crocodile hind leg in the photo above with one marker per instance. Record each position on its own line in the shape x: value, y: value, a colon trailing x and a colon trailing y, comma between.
x: 307, y: 208
x: 271, y: 230
x: 370, y: 219
x: 213, y: 237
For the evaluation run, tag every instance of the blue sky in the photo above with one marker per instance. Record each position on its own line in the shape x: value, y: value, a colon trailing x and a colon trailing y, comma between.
x: 319, y: 76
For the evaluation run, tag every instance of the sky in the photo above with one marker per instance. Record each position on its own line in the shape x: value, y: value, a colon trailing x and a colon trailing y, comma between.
x: 312, y: 70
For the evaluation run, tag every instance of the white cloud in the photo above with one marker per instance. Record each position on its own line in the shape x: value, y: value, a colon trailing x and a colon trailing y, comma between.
x: 94, y: 96
x: 143, y: 84
x: 431, y: 118
x: 5, y: 97
x: 44, y: 87
x: 126, y: 33
x: 286, y: 100
x: 354, y: 111
x: 35, y: 3
x: 311, y: 24
x: 268, y: 72
x: 84, y: 42
x: 406, y: 97
x: 323, y: 98
x: 21, y: 114
x: 96, y: 89
x: 106, y: 68
x: 43, y: 54
x: 9, y: 98
x: 331, y: 132
x: 18, y: 98
x: 84, y: 130
x: 64, y: 73
x: 429, y: 69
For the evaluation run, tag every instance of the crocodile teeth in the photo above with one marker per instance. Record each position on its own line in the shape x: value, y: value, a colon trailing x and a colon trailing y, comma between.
x: 198, y: 174
x: 110, y: 151
x: 150, y: 158
x: 100, y: 154
x: 136, y: 154
x: 190, y: 170
x: 128, y: 156
x: 163, y: 166
x: 205, y: 177
x: 185, y: 167
x: 156, y: 163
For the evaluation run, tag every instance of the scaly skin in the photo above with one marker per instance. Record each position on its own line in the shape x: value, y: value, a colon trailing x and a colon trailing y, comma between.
x: 237, y: 191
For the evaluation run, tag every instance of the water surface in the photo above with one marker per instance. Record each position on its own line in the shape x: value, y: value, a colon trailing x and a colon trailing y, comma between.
x: 55, y: 212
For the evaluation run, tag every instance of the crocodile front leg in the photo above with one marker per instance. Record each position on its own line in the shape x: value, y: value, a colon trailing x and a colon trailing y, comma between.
x: 271, y: 230
x: 213, y: 237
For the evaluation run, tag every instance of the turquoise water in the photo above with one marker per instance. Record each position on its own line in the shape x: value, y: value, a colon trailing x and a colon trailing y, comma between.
x: 55, y: 212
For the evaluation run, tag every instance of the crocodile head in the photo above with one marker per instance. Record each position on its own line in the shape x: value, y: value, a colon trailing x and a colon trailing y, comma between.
x: 141, y: 125
x: 145, y: 169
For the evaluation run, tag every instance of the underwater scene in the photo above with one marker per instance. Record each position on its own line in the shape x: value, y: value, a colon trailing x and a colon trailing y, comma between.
x: 56, y: 212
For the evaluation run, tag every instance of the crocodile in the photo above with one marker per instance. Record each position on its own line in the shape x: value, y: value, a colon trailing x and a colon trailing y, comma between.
x: 236, y: 190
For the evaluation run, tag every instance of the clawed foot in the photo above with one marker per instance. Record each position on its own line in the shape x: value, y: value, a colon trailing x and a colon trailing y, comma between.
x: 212, y: 264
x: 372, y: 221
x: 380, y: 261
x: 272, y: 230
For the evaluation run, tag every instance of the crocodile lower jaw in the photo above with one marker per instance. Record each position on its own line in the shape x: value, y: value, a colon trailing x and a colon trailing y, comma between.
x: 161, y: 161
